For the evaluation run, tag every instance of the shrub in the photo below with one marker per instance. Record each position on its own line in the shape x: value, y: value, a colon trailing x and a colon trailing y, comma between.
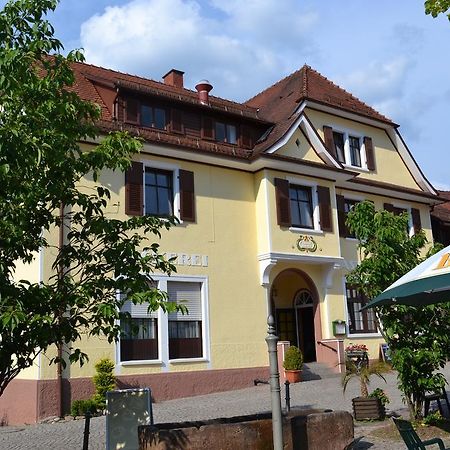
x: 293, y: 359
x: 380, y: 394
x: 433, y: 418
x: 104, y: 381
x: 81, y: 407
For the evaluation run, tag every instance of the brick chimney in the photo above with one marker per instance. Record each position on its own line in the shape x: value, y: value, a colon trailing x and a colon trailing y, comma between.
x: 174, y: 78
x: 203, y: 88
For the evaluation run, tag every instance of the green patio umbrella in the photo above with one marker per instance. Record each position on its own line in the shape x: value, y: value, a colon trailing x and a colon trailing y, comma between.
x: 427, y: 283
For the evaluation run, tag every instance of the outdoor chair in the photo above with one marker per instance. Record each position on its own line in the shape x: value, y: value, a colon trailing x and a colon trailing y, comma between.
x: 437, y: 396
x: 412, y: 440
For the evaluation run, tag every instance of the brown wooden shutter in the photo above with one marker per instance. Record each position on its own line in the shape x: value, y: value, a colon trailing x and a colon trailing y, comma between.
x: 417, y: 223
x: 207, y: 128
x: 132, y: 110
x: 389, y: 207
x: 187, y: 196
x: 326, y: 222
x: 246, y: 137
x: 340, y: 203
x: 283, y: 203
x: 177, y: 121
x: 329, y: 141
x: 134, y: 189
x: 370, y: 154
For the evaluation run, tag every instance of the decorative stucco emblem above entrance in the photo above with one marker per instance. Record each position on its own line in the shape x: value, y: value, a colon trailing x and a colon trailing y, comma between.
x: 306, y: 244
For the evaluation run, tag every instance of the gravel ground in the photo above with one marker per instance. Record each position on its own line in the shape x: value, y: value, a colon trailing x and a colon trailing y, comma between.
x: 326, y: 393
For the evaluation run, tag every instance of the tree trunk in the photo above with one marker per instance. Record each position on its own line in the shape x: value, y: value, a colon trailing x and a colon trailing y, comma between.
x: 364, y: 389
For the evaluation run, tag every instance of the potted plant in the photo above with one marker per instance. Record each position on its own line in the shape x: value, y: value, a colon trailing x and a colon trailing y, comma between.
x: 293, y: 363
x: 366, y: 406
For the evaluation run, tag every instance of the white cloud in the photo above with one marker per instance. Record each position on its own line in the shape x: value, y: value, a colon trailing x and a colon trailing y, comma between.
x: 440, y: 186
x: 379, y: 81
x: 149, y: 37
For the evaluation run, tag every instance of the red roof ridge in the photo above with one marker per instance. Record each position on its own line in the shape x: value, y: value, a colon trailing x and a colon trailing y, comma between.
x: 274, y: 84
x: 305, y: 68
x: 164, y: 86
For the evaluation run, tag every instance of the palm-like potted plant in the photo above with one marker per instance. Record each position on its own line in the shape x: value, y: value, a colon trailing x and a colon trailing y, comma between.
x: 293, y: 363
x: 365, y: 407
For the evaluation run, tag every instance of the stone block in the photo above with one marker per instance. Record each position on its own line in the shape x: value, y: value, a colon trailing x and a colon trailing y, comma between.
x: 305, y: 430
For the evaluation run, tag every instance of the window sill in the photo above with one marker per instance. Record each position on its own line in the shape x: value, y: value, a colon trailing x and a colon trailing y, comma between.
x: 187, y: 360
x: 164, y: 130
x: 147, y: 362
x: 361, y: 169
x: 351, y: 239
x: 364, y: 335
x: 306, y: 230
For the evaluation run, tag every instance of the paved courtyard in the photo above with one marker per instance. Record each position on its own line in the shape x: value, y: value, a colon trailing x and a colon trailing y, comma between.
x: 326, y: 393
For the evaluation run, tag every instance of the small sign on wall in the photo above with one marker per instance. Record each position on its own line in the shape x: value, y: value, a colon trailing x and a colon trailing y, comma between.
x: 385, y: 354
x: 306, y: 244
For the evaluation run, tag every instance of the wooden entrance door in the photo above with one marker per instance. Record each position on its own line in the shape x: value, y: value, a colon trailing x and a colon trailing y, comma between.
x: 296, y: 324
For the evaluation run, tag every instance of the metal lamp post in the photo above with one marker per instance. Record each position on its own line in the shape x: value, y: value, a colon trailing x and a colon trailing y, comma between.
x: 275, y: 391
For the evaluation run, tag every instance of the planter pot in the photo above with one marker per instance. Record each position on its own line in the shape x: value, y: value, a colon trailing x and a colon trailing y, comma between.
x: 293, y: 376
x: 366, y: 408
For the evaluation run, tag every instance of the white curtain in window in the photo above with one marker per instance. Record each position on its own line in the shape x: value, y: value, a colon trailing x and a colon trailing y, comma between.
x: 187, y: 294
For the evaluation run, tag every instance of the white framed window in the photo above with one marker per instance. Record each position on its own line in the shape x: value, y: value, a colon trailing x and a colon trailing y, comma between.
x: 359, y: 322
x: 349, y: 148
x: 304, y: 205
x: 158, y: 337
x: 399, y: 208
x: 161, y: 189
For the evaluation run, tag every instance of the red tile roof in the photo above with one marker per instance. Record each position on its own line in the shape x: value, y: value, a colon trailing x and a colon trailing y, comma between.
x: 86, y: 73
x: 280, y: 100
x: 274, y: 107
x: 442, y: 211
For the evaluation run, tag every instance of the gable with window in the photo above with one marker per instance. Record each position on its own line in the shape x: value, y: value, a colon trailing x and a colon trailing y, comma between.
x: 359, y: 321
x: 303, y: 206
x: 350, y: 149
x: 150, y: 190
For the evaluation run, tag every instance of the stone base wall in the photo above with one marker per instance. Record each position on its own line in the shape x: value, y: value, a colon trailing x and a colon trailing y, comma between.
x: 312, y: 430
x: 29, y: 401
x: 18, y: 404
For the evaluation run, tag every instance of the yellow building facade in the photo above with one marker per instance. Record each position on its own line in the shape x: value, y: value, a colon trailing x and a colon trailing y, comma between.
x: 261, y: 190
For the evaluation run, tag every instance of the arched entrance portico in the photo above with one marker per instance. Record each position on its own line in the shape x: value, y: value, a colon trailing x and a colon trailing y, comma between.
x: 295, y: 304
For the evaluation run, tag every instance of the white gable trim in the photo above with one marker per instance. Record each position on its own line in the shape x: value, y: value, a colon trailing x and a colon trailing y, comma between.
x: 410, y: 163
x: 303, y: 123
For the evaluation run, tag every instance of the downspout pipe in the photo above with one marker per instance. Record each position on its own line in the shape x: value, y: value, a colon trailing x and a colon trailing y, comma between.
x: 59, y: 381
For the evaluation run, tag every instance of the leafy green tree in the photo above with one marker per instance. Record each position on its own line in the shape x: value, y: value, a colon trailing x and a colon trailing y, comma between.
x: 436, y: 7
x: 418, y: 338
x: 42, y: 121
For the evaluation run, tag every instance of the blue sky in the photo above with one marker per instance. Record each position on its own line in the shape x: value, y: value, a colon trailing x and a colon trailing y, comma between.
x: 388, y: 53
